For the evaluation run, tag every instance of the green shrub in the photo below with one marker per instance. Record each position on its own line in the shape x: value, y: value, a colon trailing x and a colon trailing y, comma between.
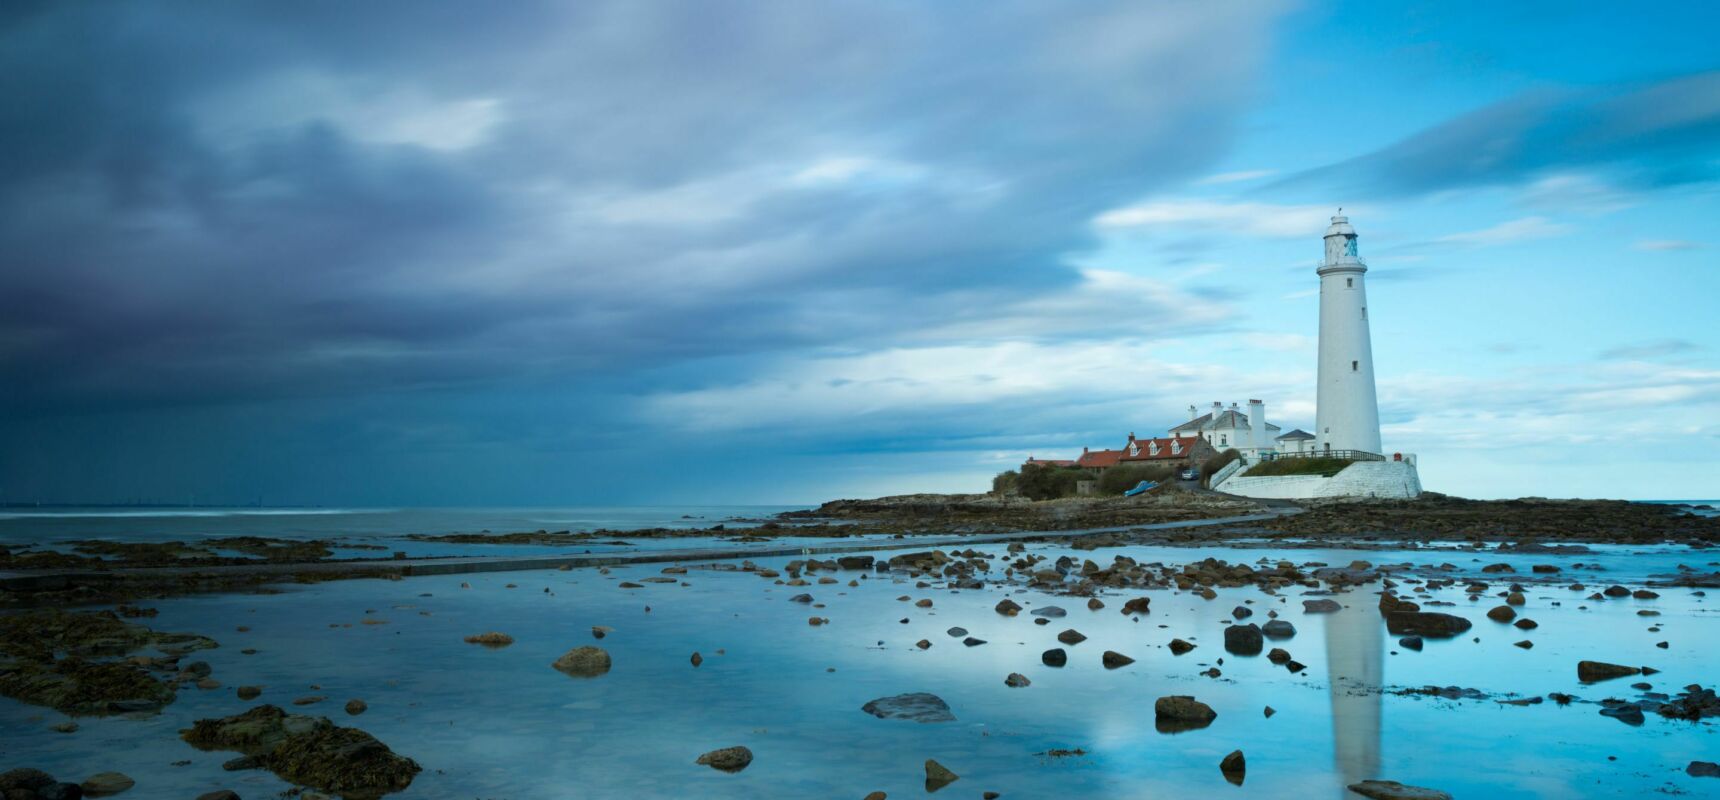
x: 1299, y: 466
x: 1006, y: 482
x: 1038, y: 482
x: 1216, y: 463
x: 1122, y: 478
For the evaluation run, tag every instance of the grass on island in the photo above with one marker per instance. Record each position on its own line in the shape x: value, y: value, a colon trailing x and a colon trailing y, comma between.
x: 1298, y: 466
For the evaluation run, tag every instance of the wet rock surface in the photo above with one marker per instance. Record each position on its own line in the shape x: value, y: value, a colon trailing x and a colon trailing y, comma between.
x: 914, y: 707
x: 1392, y: 790
x: 727, y: 759
x: 79, y: 662
x: 310, y: 751
x: 583, y: 662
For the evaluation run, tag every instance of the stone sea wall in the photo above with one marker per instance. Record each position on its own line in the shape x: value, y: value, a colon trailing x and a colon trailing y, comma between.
x: 1385, y: 479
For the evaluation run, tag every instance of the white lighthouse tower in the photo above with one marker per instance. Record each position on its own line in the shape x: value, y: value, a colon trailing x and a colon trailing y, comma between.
x: 1347, y: 414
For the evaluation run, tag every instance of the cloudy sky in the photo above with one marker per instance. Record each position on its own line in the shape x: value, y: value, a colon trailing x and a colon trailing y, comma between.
x: 407, y: 253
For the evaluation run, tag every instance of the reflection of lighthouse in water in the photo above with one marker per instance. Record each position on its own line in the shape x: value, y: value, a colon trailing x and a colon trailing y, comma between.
x: 1354, y: 655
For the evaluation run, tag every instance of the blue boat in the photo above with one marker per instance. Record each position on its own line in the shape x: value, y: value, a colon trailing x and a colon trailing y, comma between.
x: 1141, y: 488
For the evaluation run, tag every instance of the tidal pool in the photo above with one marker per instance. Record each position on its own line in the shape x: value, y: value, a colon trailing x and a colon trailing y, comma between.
x: 500, y: 723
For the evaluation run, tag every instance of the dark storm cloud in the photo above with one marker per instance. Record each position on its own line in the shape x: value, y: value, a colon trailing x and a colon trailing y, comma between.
x: 209, y: 202
x: 1646, y: 135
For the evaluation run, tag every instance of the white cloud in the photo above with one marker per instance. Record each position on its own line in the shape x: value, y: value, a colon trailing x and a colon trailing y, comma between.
x: 1517, y: 230
x: 1667, y: 244
x: 1577, y: 193
x: 1263, y: 220
x: 1235, y: 177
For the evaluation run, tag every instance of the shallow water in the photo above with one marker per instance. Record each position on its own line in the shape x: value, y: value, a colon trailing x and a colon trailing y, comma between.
x: 503, y: 724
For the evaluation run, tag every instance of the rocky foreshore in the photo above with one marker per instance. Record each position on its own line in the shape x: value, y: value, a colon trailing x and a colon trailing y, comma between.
x: 1529, y: 519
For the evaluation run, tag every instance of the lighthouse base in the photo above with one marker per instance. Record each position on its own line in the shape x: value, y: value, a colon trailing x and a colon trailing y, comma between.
x: 1395, y: 480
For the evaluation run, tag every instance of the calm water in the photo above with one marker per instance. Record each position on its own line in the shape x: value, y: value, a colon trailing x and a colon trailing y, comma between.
x: 502, y: 724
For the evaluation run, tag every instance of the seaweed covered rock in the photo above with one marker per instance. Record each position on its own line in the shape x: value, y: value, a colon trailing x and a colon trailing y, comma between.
x: 310, y: 751
x: 75, y: 662
x: 583, y: 662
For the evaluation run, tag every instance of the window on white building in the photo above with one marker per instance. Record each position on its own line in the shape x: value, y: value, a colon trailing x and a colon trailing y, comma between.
x: 1349, y: 283
x: 1355, y: 366
x: 1223, y: 440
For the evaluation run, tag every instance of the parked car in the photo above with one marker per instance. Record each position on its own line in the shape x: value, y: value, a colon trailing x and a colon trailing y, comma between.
x: 1189, y: 474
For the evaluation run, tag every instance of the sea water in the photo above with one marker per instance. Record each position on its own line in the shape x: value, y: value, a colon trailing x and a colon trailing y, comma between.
x: 503, y: 724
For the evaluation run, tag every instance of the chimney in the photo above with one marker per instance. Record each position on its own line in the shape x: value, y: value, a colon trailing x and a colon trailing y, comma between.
x: 1131, y: 436
x: 1193, y: 412
x: 1257, y: 423
x: 1083, y: 451
x: 1217, y: 409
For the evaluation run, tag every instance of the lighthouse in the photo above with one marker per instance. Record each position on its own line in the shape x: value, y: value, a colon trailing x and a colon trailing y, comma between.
x: 1347, y: 414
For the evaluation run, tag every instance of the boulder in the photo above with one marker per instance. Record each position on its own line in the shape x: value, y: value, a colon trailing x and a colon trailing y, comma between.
x: 915, y: 707
x: 1049, y: 612
x: 1703, y: 769
x: 1055, y: 657
x: 1410, y: 643
x: 1426, y: 623
x: 1016, y: 680
x: 1234, y: 767
x: 1278, y: 656
x: 1007, y: 607
x: 1178, y: 647
x: 1071, y: 637
x: 1502, y: 614
x: 1113, y: 659
x: 1177, y: 713
x: 585, y: 661
x: 356, y: 707
x: 855, y: 562
x: 1278, y: 629
x: 1139, y: 605
x: 1392, y: 790
x: 727, y: 759
x: 249, y: 692
x: 1320, y: 606
x: 1243, y: 640
x: 1241, y: 612
x: 103, y: 784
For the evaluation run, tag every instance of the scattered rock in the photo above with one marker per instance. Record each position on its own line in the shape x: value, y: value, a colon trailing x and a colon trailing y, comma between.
x: 1234, y: 767
x: 1113, y: 659
x: 1178, y: 647
x: 1071, y: 637
x: 1502, y: 614
x: 1703, y: 769
x: 103, y: 784
x: 1055, y: 657
x: 1241, y: 612
x: 356, y: 707
x: 1592, y: 671
x: 938, y: 776
x: 1179, y: 712
x: 1278, y: 629
x: 493, y: 639
x: 727, y: 759
x: 583, y: 662
x: 1426, y: 623
x: 1411, y: 643
x: 1139, y: 605
x: 1094, y: 604
x: 1049, y: 612
x: 1243, y: 640
x: 1320, y: 606
x: 1007, y: 607
x: 310, y: 751
x: 600, y: 631
x: 1016, y: 680
x: 973, y: 642
x: 1392, y: 790
x: 957, y: 632
x: 916, y: 707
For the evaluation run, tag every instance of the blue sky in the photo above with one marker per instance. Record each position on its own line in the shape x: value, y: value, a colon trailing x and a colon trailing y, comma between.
x: 410, y: 254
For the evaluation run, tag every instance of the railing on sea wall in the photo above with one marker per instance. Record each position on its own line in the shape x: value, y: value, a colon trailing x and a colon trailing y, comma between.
x: 1348, y: 455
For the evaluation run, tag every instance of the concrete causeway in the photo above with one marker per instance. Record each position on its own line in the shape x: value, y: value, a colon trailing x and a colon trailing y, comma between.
x: 49, y: 580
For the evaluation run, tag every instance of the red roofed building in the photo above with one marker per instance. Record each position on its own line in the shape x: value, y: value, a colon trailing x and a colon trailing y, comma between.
x: 1178, y: 450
